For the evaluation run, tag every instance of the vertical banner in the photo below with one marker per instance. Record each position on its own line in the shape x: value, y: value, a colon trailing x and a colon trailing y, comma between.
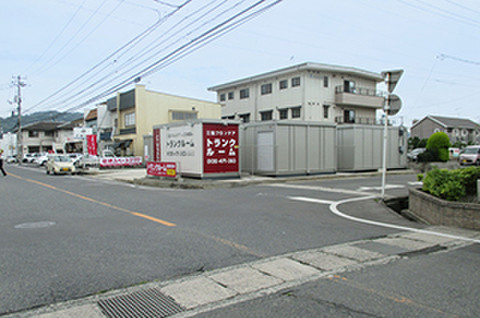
x: 92, y: 145
x: 220, y: 147
x: 156, y: 145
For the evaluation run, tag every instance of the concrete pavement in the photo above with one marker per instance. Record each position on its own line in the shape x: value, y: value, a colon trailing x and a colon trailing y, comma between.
x: 207, y: 291
x: 204, y: 292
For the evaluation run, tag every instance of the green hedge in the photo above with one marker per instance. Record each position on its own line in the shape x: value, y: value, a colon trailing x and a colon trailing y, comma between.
x: 451, y: 185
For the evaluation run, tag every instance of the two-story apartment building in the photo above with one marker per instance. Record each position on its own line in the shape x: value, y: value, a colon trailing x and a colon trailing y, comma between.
x: 457, y: 129
x: 306, y: 92
x: 135, y: 112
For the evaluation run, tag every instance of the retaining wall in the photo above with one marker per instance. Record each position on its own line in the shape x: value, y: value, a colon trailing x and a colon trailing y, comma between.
x: 440, y: 212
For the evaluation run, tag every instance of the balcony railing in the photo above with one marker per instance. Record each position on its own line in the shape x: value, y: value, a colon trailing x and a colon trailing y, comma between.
x: 358, y: 91
x: 359, y: 121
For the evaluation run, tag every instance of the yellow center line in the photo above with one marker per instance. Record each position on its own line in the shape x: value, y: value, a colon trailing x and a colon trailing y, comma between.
x: 108, y: 205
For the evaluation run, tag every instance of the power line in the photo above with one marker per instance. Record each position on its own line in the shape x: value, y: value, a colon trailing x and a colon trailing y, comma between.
x: 134, y: 41
x: 212, y: 33
x: 84, y: 91
x: 46, y: 65
x: 459, y: 59
x: 447, y: 16
x: 462, y: 6
x: 58, y: 36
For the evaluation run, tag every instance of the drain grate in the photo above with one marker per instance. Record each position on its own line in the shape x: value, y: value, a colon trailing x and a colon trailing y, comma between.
x: 142, y: 304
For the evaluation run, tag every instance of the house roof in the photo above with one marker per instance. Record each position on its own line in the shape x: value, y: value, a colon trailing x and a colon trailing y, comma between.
x: 92, y: 114
x: 451, y: 122
x: 303, y: 67
x: 42, y: 126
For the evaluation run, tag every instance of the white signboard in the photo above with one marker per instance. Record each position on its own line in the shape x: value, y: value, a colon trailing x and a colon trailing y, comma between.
x: 81, y: 132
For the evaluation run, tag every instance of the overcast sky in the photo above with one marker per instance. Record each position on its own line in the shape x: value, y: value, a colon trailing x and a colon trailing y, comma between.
x: 51, y: 43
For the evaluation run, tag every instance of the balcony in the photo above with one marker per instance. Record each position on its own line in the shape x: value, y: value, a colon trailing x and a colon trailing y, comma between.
x: 358, y: 96
x: 361, y: 121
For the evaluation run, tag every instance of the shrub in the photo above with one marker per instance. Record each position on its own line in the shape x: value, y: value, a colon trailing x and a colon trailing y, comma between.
x: 451, y: 185
x: 469, y: 178
x: 420, y: 177
x: 429, y: 155
x: 440, y: 142
x: 444, y: 184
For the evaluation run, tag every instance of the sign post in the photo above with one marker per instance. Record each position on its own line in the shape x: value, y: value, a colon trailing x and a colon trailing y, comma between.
x: 392, y: 106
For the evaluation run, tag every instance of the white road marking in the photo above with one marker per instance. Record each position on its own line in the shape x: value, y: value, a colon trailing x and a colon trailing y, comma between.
x: 315, y: 188
x: 416, y: 183
x: 304, y: 199
x: 388, y: 186
x: 334, y: 209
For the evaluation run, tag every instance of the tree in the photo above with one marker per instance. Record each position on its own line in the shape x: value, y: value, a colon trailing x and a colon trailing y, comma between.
x: 439, y: 143
x: 415, y: 142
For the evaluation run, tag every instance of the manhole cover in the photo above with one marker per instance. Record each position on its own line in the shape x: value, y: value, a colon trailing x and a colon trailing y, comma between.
x: 150, y: 303
x: 34, y: 225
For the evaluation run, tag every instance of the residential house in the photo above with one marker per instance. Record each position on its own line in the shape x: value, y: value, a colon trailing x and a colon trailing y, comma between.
x: 44, y: 136
x: 457, y: 129
x: 135, y: 112
x: 304, y: 92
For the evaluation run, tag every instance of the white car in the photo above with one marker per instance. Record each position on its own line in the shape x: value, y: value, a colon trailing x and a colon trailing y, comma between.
x: 60, y: 164
x: 41, y: 158
x: 11, y: 159
x: 28, y: 157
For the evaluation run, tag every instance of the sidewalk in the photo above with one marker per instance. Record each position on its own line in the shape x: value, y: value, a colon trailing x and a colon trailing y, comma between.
x: 139, y: 176
x: 200, y: 293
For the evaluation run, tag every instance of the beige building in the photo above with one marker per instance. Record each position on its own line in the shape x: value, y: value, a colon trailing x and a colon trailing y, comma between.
x: 305, y: 92
x: 135, y: 112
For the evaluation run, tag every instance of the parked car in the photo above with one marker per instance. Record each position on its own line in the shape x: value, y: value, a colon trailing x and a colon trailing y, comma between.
x: 60, y: 164
x: 87, y: 160
x: 413, y: 155
x: 41, y: 158
x: 11, y: 159
x: 470, y: 156
x: 28, y: 157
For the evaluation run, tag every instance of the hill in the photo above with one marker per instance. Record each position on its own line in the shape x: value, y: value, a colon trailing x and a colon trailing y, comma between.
x: 10, y: 123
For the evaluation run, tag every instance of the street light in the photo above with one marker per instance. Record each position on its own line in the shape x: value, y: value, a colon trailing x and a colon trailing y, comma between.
x: 392, y: 106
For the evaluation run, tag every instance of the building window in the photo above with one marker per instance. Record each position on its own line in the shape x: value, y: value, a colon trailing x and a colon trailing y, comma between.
x: 325, y: 111
x: 230, y: 95
x: 222, y: 97
x: 295, y: 81
x: 267, y: 115
x: 296, y: 112
x: 49, y: 133
x: 266, y: 89
x: 244, y: 93
x: 325, y: 81
x: 284, y: 84
x: 245, y: 118
x: 349, y: 86
x: 33, y: 134
x: 349, y: 116
x: 283, y: 113
x: 185, y: 115
x: 130, y: 119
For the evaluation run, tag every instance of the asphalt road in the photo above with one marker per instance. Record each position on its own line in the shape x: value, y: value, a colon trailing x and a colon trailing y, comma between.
x: 66, y: 237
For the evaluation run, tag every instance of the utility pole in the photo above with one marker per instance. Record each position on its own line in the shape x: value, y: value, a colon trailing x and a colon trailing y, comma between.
x: 19, y: 84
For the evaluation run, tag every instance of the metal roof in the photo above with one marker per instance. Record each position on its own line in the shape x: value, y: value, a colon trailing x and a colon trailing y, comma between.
x: 308, y: 66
